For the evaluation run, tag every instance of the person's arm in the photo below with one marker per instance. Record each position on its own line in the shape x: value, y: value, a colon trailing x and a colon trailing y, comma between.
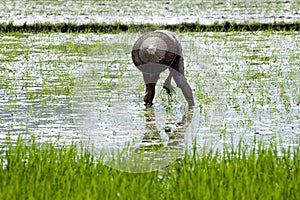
x: 167, y: 85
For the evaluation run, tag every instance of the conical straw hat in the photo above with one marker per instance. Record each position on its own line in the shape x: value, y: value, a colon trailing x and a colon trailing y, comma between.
x: 154, y: 52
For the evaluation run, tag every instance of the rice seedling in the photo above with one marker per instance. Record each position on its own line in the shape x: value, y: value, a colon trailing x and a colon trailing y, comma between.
x: 30, y: 170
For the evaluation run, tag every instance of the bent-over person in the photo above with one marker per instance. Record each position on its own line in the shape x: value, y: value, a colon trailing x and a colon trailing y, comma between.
x: 153, y: 53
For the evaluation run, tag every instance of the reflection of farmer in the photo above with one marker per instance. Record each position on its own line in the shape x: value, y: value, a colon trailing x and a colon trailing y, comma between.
x: 152, y: 54
x: 175, y: 136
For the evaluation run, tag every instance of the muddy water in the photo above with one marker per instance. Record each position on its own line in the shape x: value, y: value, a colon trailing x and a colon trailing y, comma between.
x: 85, y: 88
x: 160, y: 12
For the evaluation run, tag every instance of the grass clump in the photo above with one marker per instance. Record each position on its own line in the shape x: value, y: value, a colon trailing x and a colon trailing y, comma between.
x: 49, y: 172
x: 118, y: 27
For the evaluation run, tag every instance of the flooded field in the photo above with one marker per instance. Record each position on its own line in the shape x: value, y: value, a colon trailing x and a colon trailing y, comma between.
x: 157, y: 12
x: 85, y: 88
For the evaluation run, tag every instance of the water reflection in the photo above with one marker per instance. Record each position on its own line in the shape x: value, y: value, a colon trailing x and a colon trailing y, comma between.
x: 157, y: 147
x: 172, y: 133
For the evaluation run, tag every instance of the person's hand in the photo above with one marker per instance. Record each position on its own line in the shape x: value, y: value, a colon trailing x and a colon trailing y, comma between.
x: 169, y: 89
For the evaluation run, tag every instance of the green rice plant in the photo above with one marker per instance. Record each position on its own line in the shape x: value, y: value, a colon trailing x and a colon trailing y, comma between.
x: 30, y: 170
x: 33, y: 171
x: 261, y: 174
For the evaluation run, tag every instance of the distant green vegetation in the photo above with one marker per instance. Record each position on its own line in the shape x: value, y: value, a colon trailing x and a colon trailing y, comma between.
x: 47, y: 171
x: 119, y: 27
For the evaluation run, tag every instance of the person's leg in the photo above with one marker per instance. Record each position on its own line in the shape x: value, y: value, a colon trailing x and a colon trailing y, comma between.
x: 188, y: 94
x: 150, y: 81
x: 182, y: 83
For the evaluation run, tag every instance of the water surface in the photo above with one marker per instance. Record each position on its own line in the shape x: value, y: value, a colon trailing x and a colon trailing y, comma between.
x: 85, y: 88
x: 155, y: 12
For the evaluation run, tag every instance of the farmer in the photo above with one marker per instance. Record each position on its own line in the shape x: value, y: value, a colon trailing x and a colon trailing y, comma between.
x: 153, y: 53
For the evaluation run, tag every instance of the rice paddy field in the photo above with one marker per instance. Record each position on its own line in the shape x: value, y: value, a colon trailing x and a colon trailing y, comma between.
x: 72, y: 120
